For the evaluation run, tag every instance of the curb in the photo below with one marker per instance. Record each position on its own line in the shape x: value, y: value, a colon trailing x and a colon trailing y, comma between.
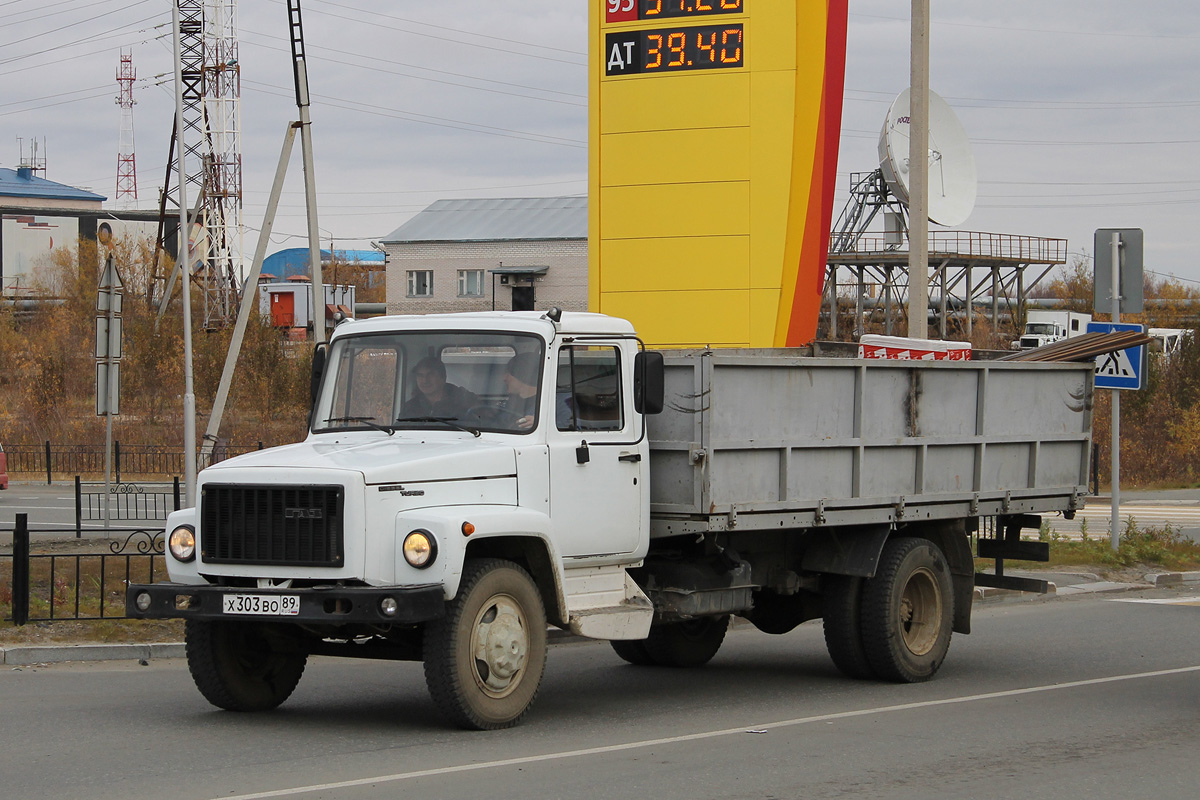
x: 50, y: 654
x: 986, y: 594
x: 1172, y: 578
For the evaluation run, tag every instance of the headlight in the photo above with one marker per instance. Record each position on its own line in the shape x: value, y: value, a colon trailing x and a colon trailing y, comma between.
x: 420, y: 548
x: 182, y: 543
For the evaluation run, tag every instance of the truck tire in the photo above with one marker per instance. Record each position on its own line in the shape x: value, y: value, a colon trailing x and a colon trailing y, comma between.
x: 484, y: 659
x: 686, y: 644
x: 236, y: 667
x: 908, y: 611
x: 633, y: 651
x: 843, y: 625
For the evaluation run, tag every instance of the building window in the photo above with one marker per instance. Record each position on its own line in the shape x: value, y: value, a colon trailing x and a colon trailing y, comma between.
x: 470, y: 283
x: 420, y: 283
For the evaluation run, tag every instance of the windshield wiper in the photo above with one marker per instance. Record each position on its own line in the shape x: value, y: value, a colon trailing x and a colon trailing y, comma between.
x: 445, y: 421
x: 368, y: 421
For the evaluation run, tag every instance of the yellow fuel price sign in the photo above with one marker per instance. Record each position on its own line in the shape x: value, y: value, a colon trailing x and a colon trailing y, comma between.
x: 713, y: 150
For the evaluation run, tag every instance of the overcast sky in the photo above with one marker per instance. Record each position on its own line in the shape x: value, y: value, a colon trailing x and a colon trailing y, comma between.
x: 1080, y: 115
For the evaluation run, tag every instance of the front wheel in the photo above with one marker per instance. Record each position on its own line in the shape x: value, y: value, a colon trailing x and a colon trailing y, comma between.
x: 240, y: 666
x: 908, y: 611
x: 484, y: 659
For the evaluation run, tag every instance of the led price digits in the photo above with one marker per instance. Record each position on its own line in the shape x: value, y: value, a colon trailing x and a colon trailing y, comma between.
x: 674, y: 50
x: 625, y: 10
x: 684, y: 8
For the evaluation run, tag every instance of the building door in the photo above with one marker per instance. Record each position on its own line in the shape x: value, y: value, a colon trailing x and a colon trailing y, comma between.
x: 522, y: 298
x: 283, y: 309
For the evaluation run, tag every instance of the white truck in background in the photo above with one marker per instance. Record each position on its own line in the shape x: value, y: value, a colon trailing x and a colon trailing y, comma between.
x: 646, y: 499
x: 1046, y: 327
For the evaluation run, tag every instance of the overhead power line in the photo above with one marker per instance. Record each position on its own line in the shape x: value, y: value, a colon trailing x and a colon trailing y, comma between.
x: 375, y: 14
x: 375, y: 23
x: 425, y: 119
x: 373, y: 68
x: 1051, y: 31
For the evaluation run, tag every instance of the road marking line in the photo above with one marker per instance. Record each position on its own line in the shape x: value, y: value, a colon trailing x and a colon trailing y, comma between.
x: 1162, y: 601
x: 691, y: 737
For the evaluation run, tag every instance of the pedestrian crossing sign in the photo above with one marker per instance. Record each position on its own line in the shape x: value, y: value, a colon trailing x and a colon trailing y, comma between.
x: 1124, y: 368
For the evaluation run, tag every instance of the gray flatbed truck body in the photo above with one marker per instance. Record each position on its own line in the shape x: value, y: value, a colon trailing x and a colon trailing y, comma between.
x: 764, y: 439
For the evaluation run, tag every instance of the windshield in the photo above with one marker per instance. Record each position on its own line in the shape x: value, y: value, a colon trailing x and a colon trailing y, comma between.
x: 1039, y: 329
x: 438, y: 380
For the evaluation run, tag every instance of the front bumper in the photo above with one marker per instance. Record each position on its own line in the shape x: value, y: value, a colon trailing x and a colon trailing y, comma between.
x: 336, y: 605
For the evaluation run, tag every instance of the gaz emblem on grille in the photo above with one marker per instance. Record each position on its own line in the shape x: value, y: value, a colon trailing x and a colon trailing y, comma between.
x: 303, y: 513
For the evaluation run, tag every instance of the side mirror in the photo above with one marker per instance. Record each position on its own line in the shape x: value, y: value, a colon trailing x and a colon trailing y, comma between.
x: 318, y: 369
x: 648, y: 382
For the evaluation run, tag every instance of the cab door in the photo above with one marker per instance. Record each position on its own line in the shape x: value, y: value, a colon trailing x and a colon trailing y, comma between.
x: 598, y: 499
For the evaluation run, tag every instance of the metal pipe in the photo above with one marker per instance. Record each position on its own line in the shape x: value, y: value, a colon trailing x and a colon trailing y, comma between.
x: 1115, y: 533
x: 249, y: 288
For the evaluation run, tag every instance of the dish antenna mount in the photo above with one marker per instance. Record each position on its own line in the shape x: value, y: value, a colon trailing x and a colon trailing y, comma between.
x: 952, y: 177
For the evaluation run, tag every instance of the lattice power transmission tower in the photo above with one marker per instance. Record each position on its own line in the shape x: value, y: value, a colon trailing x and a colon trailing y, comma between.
x: 212, y: 153
x: 127, y: 192
x: 223, y: 180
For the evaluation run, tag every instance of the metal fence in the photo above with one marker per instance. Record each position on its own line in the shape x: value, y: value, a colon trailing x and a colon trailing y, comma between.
x: 51, y: 459
x: 143, y: 500
x: 48, y: 586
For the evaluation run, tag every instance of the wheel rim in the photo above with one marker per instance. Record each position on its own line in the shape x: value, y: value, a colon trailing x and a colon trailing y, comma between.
x: 499, y: 646
x: 921, y: 611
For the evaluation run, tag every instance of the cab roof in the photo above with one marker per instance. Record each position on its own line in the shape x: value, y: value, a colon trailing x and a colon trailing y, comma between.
x: 537, y: 322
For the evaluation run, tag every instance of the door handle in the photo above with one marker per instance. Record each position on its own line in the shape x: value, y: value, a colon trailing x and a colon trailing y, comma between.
x: 632, y: 458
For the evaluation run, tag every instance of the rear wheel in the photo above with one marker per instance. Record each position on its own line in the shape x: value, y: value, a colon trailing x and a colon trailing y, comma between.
x: 240, y: 666
x: 484, y: 659
x: 842, y: 623
x: 686, y: 644
x: 908, y: 611
x: 633, y: 651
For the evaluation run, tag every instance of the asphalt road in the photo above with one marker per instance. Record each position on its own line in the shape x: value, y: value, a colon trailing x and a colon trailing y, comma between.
x: 51, y: 511
x: 1092, y: 698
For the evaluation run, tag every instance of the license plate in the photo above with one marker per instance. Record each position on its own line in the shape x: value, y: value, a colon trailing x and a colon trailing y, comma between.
x: 271, y: 605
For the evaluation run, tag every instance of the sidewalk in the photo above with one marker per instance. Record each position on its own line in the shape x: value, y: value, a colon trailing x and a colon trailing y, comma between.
x: 1062, y: 584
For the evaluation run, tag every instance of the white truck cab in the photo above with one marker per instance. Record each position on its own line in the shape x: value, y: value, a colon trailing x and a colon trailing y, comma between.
x: 370, y: 520
x: 1047, y: 327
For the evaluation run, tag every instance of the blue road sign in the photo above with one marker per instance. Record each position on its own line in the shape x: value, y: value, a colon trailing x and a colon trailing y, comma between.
x: 1124, y: 368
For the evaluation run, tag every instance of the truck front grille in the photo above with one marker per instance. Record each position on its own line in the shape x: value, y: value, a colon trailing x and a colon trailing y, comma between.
x: 271, y: 525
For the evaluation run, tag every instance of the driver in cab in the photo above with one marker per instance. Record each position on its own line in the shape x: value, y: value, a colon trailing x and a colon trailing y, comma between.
x: 434, y: 397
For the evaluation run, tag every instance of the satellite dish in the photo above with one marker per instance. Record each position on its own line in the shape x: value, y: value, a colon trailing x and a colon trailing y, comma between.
x: 952, y: 182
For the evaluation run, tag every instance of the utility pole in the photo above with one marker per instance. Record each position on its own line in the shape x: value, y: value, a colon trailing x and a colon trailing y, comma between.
x: 300, y: 74
x: 918, y: 174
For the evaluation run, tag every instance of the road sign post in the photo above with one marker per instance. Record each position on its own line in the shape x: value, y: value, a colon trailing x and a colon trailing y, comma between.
x: 1117, y: 280
x: 108, y: 365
